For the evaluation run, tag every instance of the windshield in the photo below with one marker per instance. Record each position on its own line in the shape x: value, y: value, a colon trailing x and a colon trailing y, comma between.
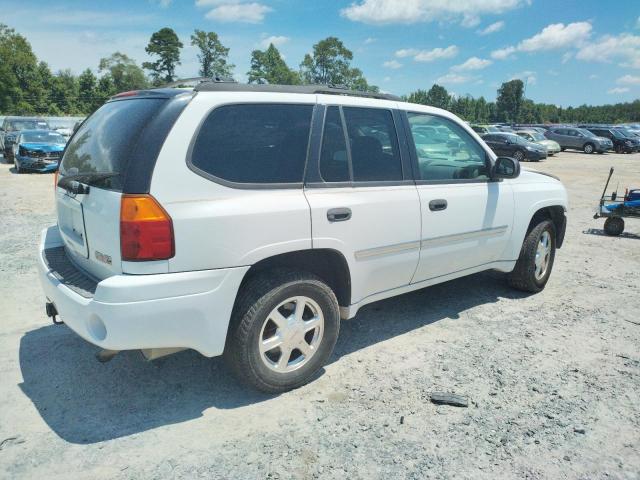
x: 26, y: 124
x: 538, y: 136
x: 42, y: 137
x: 622, y: 134
x: 104, y: 143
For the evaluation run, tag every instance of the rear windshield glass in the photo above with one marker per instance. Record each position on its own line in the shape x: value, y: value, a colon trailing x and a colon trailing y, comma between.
x: 261, y: 143
x: 103, y: 144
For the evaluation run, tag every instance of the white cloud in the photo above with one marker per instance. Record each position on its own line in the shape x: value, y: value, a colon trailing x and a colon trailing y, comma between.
x: 406, y: 52
x: 617, y: 90
x: 277, y: 41
x: 638, y: 23
x: 233, y: 11
x: 503, y: 53
x: 473, y: 63
x: 566, y: 57
x: 467, y: 12
x: 556, y: 36
x: 369, y: 40
x: 454, y: 79
x: 624, y: 47
x: 163, y: 3
x: 386, y: 79
x: 593, y: 76
x: 527, y: 77
x: 436, y: 54
x: 493, y: 28
x: 628, y: 80
x: 394, y: 64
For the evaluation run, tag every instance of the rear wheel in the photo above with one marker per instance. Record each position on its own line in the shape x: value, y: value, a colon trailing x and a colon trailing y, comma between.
x: 588, y: 148
x: 614, y: 226
x: 535, y: 263
x: 284, y: 328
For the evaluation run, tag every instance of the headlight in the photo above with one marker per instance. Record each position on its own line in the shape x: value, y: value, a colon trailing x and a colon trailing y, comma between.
x: 628, y: 143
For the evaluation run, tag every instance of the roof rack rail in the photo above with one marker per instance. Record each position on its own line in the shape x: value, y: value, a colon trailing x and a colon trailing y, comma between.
x: 198, y: 80
x: 212, y: 86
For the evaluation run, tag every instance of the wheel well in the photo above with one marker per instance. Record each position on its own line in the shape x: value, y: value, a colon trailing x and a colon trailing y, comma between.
x: 556, y: 215
x: 330, y: 265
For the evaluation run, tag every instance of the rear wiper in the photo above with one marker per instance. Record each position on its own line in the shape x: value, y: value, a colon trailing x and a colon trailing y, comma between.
x: 78, y: 184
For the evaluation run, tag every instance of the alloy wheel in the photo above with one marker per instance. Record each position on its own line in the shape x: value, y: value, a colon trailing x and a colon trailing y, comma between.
x: 543, y: 254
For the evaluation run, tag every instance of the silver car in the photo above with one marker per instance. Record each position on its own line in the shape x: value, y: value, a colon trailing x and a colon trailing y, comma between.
x: 579, y: 139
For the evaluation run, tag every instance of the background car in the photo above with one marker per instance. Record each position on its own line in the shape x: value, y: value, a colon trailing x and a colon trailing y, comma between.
x: 537, y: 137
x: 482, y: 129
x: 38, y: 150
x: 12, y: 125
x: 621, y: 144
x: 579, y: 139
x: 511, y: 145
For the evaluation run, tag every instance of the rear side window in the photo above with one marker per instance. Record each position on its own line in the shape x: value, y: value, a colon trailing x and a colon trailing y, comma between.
x: 105, y: 141
x: 371, y: 154
x: 255, y: 143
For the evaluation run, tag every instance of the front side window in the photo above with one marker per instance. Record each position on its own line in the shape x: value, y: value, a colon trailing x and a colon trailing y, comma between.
x: 254, y: 143
x: 453, y: 155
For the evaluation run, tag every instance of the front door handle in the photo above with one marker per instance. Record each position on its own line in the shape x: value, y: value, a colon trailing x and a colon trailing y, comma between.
x: 437, y: 205
x: 339, y: 214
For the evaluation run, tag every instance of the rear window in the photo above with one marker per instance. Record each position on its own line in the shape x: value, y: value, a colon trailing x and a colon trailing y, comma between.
x: 255, y: 143
x: 105, y: 141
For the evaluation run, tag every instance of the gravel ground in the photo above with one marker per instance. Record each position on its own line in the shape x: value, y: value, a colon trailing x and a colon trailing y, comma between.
x: 553, y: 379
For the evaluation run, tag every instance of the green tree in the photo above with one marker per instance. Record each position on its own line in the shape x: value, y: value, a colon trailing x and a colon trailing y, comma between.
x: 437, y: 96
x: 86, y: 91
x: 166, y: 45
x: 124, y: 72
x: 509, y: 101
x: 330, y: 64
x: 268, y: 66
x: 213, y: 56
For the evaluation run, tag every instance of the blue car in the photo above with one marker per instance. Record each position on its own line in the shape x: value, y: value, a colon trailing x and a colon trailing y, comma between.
x: 38, y: 150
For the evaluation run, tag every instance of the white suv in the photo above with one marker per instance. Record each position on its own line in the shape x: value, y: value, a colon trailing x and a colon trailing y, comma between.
x: 247, y: 220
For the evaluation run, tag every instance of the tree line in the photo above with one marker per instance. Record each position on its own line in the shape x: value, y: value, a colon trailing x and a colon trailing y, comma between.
x: 28, y: 86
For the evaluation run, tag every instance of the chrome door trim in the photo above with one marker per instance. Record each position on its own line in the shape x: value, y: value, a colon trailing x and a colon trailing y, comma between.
x: 387, y: 250
x: 461, y: 237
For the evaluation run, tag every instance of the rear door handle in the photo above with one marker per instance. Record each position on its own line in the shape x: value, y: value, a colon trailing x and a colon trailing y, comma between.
x: 437, y: 205
x: 339, y: 214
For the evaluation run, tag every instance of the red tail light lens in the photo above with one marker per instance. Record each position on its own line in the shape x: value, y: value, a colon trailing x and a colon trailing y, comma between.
x: 146, y: 229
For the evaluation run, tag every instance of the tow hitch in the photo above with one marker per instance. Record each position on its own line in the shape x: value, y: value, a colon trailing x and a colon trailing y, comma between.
x: 52, y: 313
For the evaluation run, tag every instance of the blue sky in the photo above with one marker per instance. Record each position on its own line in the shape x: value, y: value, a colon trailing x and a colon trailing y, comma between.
x: 568, y: 52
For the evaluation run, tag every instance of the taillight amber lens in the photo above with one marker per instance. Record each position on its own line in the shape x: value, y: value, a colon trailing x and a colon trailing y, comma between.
x: 146, y: 229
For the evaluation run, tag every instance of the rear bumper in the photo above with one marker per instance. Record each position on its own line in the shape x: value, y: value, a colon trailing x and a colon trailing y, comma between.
x: 129, y: 312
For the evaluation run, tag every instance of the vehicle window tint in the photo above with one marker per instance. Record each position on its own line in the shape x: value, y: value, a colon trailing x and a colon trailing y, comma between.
x: 375, y: 155
x: 454, y: 156
x: 259, y: 143
x: 104, y: 142
x: 334, y: 163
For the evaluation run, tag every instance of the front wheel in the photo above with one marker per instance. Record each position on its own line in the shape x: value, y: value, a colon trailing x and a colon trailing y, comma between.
x: 535, y: 262
x: 283, y: 330
x: 588, y: 148
x: 519, y: 155
x: 614, y: 226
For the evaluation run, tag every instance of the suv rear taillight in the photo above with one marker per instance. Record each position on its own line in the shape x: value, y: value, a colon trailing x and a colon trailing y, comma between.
x: 146, y: 229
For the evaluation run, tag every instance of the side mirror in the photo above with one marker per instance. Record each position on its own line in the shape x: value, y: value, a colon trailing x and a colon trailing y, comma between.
x: 505, y: 167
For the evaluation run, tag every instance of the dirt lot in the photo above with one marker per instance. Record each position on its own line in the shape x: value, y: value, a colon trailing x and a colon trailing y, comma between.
x: 553, y: 379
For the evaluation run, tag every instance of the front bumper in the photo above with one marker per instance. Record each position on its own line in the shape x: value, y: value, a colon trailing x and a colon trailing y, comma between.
x: 130, y: 312
x: 37, y: 164
x: 536, y: 155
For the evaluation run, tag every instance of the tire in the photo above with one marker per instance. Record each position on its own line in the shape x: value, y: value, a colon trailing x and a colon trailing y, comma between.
x: 588, y: 148
x: 17, y: 166
x: 526, y: 275
x: 614, y: 226
x: 260, y: 300
x: 519, y: 155
x: 619, y: 149
x: 562, y: 149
